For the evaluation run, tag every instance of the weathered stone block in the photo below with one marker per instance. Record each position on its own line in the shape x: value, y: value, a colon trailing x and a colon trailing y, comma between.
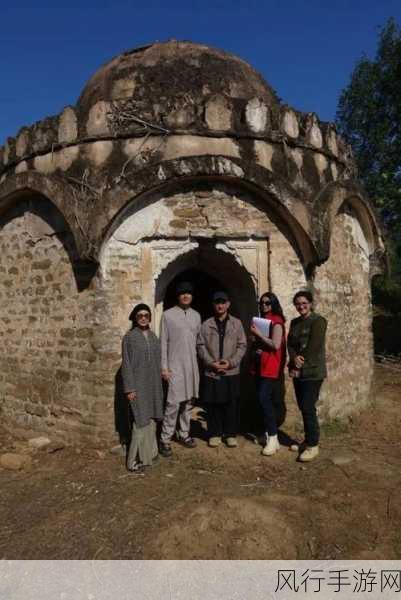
x: 218, y: 113
x: 178, y: 224
x: 84, y: 333
x: 36, y: 409
x: 41, y: 264
x: 256, y: 114
x: 68, y: 126
x: 290, y: 124
x: 63, y: 376
x: 97, y: 123
x: 187, y: 213
x: 67, y: 332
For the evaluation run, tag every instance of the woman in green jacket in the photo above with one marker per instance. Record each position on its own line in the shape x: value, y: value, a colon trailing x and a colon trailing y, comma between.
x: 307, y: 367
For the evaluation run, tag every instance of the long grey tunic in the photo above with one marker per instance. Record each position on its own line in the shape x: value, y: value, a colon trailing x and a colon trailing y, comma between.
x: 178, y: 333
x: 141, y: 373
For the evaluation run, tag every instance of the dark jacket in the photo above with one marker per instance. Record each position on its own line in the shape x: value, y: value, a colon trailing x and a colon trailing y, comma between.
x: 307, y: 338
x: 234, y: 346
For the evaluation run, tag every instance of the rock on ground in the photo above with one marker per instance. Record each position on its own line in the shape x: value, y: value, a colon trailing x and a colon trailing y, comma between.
x: 39, y: 442
x: 342, y: 459
x: 13, y: 461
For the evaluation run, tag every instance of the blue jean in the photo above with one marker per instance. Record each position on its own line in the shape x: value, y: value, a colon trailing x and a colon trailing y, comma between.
x: 267, y: 388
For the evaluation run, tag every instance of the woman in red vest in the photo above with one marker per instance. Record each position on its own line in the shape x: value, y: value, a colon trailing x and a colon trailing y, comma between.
x: 271, y: 358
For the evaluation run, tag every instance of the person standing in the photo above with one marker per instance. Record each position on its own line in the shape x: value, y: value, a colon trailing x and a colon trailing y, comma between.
x: 140, y: 369
x: 179, y: 329
x: 307, y: 367
x: 221, y: 347
x: 270, y: 355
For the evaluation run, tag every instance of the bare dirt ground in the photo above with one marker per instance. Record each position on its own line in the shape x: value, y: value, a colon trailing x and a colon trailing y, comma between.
x: 77, y: 503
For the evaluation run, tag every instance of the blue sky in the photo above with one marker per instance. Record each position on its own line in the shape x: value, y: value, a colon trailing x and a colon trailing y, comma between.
x: 305, y: 49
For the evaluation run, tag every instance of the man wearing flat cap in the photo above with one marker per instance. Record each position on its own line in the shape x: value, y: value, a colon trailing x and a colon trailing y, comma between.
x: 180, y: 326
x: 221, y: 347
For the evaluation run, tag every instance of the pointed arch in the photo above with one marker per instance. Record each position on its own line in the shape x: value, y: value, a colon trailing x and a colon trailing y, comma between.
x: 348, y: 197
x: 278, y: 199
x: 36, y: 185
x: 32, y: 193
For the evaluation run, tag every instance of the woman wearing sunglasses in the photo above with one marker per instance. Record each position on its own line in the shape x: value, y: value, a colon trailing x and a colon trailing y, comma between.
x: 307, y: 367
x: 141, y: 374
x: 270, y: 355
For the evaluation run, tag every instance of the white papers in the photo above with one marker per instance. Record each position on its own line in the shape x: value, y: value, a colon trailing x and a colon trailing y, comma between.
x: 263, y: 325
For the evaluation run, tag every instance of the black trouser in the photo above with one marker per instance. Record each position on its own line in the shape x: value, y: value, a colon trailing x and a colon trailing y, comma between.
x: 307, y: 394
x: 222, y: 419
x: 268, y: 389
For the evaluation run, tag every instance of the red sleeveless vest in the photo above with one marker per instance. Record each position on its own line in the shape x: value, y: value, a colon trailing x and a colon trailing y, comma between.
x: 272, y: 362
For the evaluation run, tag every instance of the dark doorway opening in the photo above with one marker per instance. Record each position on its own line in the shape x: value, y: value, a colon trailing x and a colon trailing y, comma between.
x: 204, y: 287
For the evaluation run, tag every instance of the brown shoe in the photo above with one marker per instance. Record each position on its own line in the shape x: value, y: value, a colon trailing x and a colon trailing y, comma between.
x: 188, y: 442
x: 165, y: 450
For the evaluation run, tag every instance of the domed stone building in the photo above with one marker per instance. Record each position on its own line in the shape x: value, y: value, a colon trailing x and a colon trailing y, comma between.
x: 178, y: 161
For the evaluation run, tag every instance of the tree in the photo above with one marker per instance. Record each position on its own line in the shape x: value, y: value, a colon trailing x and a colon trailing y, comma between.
x: 369, y: 118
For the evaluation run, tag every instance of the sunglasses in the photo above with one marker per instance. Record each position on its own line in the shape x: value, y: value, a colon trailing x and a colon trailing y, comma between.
x: 300, y: 304
x: 266, y: 302
x: 143, y: 316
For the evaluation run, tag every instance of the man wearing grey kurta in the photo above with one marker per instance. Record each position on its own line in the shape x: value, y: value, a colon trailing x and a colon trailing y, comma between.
x: 179, y: 329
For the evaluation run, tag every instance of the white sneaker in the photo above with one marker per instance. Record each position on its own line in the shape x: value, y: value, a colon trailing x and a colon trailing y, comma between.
x: 272, y: 446
x: 231, y: 442
x: 309, y: 453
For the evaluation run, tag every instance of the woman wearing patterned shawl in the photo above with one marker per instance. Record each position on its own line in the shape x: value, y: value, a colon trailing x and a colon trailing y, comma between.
x: 141, y: 374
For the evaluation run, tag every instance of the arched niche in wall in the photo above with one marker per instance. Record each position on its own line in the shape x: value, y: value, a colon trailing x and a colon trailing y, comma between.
x: 348, y: 198
x: 42, y: 219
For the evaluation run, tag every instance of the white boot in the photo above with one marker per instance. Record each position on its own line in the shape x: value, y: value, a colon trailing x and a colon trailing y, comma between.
x: 272, y: 446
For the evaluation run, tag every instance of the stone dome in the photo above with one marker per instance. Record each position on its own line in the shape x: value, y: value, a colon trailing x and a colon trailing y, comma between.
x: 163, y: 72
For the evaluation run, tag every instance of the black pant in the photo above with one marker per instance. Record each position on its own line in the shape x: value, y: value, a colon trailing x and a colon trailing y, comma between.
x: 222, y: 419
x: 307, y: 394
x: 268, y: 389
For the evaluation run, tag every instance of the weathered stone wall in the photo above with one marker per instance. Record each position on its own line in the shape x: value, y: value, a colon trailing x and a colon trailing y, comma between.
x: 343, y: 296
x: 48, y: 363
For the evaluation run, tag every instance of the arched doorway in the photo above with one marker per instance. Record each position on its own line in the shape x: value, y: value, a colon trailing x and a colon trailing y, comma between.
x: 210, y: 269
